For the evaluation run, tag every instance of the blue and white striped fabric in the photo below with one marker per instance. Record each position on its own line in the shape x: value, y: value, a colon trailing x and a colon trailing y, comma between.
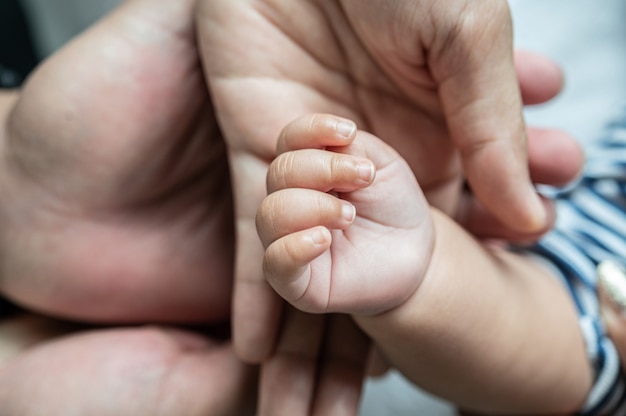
x: 591, y: 227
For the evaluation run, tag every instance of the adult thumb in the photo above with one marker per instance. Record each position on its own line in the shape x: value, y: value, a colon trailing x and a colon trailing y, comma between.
x: 475, y: 72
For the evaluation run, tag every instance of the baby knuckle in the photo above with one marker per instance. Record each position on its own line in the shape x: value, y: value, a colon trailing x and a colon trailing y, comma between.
x: 338, y: 168
x: 280, y: 170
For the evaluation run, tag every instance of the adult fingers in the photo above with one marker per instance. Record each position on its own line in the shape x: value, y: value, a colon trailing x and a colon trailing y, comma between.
x: 318, y: 367
x: 342, y: 368
x: 479, y: 91
x: 157, y: 371
x: 539, y: 77
x: 480, y: 222
x: 256, y: 307
x: 555, y: 158
x: 287, y: 383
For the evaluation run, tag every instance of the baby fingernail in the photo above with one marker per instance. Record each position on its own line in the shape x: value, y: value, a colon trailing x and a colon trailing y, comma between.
x: 346, y: 128
x: 366, y: 171
x: 319, y: 236
x: 348, y: 212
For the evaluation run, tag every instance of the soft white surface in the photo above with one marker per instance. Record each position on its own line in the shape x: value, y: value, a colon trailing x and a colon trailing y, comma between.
x: 587, y: 37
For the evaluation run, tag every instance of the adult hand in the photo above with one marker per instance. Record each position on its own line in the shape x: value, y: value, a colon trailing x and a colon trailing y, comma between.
x: 317, y: 367
x: 115, y: 180
x: 554, y: 158
x: 434, y: 81
x: 318, y: 363
x: 48, y: 368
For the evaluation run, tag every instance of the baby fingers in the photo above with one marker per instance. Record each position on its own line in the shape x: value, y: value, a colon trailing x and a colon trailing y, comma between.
x: 294, y: 227
x: 292, y: 210
x: 316, y: 131
x: 321, y: 170
x: 287, y: 260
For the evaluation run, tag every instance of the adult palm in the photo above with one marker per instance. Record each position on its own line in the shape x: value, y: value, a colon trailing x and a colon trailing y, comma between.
x: 115, y: 177
x: 50, y: 368
x: 435, y: 80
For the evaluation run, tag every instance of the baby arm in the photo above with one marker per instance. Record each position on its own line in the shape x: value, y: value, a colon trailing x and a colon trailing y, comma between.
x: 346, y: 229
x: 488, y: 330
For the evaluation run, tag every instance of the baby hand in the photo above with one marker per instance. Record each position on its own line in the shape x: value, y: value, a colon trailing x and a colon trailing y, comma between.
x: 345, y: 225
